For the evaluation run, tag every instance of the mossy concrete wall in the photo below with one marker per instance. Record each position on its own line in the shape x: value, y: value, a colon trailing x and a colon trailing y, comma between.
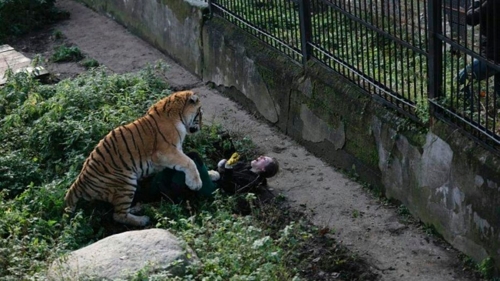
x: 443, y: 177
x: 172, y: 26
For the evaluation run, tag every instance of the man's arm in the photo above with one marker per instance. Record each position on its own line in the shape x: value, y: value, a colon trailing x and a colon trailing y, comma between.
x: 225, y: 168
x: 226, y: 182
x: 476, y: 11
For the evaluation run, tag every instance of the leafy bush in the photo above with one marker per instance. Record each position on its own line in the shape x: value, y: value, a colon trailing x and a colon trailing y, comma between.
x: 89, y: 63
x: 21, y: 16
x: 214, y: 144
x: 230, y: 246
x: 48, y: 130
x: 64, y: 54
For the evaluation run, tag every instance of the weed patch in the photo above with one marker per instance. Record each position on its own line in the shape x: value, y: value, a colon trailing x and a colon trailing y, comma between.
x: 89, y: 63
x: 21, y: 16
x: 48, y: 130
x: 66, y: 54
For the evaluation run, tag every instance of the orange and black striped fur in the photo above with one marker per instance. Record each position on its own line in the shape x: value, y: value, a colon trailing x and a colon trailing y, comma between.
x: 130, y: 152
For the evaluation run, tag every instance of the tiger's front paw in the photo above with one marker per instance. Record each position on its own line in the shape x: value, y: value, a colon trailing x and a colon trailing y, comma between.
x: 214, y: 175
x: 194, y: 183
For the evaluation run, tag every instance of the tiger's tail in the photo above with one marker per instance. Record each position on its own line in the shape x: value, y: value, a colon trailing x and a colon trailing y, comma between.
x: 71, y: 198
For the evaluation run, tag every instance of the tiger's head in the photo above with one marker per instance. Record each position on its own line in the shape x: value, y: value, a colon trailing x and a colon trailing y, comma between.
x: 185, y: 105
x: 192, y: 113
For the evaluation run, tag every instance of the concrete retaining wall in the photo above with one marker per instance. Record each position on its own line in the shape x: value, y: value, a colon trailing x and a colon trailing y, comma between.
x: 443, y: 177
x: 172, y: 26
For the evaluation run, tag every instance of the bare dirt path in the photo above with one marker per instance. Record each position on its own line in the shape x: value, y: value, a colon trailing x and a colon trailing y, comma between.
x: 372, y: 230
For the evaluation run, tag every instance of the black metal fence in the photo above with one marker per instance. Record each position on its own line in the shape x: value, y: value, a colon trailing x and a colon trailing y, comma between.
x: 422, y: 57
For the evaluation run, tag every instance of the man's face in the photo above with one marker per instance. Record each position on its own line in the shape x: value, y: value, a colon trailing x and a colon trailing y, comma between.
x: 261, y: 163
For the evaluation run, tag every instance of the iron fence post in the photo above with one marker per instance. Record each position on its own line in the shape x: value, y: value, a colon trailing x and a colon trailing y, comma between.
x: 210, y: 12
x: 435, y: 50
x: 305, y: 29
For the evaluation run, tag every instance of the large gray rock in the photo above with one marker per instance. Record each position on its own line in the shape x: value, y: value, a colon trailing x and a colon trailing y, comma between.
x: 122, y: 255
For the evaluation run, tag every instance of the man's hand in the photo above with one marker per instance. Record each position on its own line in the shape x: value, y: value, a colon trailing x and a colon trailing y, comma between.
x: 228, y: 164
x: 221, y: 163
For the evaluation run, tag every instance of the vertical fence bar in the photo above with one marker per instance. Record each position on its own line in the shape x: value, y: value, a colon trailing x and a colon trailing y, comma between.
x: 435, y: 55
x: 210, y: 12
x: 305, y: 29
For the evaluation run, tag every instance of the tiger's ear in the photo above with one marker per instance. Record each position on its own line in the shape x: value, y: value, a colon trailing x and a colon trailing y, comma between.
x: 193, y: 99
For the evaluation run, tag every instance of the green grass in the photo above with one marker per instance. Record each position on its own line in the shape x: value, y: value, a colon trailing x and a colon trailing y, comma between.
x: 22, y: 16
x: 48, y: 130
x: 233, y: 245
x: 66, y: 54
x: 89, y: 63
x: 57, y: 34
x: 388, y: 63
x: 399, y: 69
x: 484, y: 269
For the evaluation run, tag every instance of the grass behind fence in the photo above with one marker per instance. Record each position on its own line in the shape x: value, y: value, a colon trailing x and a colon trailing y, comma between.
x: 373, y: 61
x: 380, y: 46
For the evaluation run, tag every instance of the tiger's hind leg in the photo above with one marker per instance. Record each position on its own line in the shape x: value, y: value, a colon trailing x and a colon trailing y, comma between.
x: 122, y: 210
x: 128, y: 218
x: 136, y: 208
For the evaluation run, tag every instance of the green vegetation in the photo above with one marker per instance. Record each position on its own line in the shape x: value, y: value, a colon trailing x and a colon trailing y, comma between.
x: 337, y: 38
x: 355, y: 214
x: 48, y: 130
x: 57, y: 34
x: 89, y: 63
x: 21, y: 16
x: 371, y: 52
x: 487, y: 268
x: 277, y: 18
x: 235, y: 245
x: 403, y: 211
x: 484, y: 269
x: 67, y: 53
x: 64, y: 53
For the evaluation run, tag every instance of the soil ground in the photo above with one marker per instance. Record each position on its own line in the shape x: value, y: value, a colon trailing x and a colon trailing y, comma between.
x: 370, y: 228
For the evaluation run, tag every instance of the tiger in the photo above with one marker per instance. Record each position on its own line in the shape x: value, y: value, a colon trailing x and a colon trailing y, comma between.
x: 136, y: 150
